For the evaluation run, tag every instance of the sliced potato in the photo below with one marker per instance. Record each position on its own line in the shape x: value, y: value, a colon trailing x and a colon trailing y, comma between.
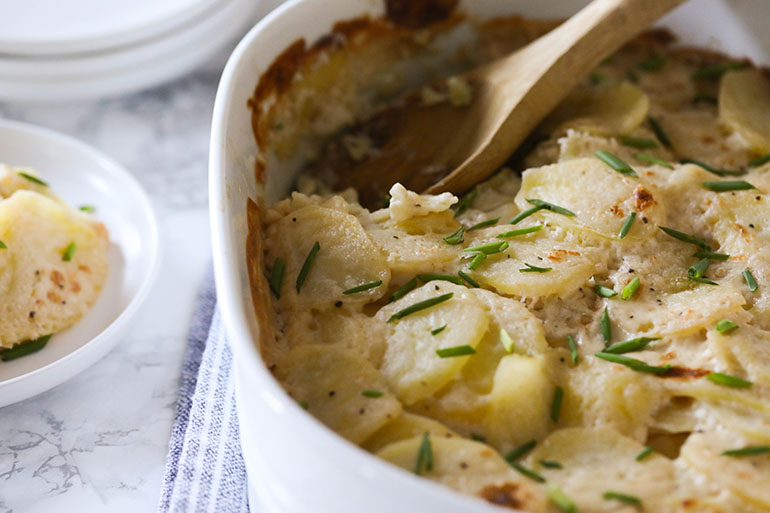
x: 610, y: 110
x: 410, y: 363
x: 472, y: 468
x: 744, y: 107
x: 330, y: 380
x: 408, y: 425
x: 735, y: 219
x: 746, y: 348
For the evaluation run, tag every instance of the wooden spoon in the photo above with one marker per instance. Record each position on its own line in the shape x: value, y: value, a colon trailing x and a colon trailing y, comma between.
x: 418, y: 144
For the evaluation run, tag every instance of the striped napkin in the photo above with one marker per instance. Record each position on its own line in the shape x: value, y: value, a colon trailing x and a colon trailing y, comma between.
x: 204, y: 467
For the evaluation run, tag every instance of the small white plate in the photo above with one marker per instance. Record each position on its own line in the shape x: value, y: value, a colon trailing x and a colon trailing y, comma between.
x: 84, y: 176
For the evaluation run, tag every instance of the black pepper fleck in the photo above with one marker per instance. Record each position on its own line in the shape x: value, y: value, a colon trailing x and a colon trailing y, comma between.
x: 338, y: 304
x: 331, y: 393
x: 31, y: 315
x: 644, y: 220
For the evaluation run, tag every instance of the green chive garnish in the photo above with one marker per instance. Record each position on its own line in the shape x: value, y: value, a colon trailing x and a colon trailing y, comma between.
x: 405, y: 289
x: 522, y: 231
x: 759, y: 161
x: 452, y: 352
x: 755, y: 450
x: 560, y: 499
x: 465, y: 202
x: 473, y: 283
x: 705, y: 98
x: 527, y: 472
x: 605, y: 327
x: 87, y: 208
x: 603, y: 291
x: 477, y: 437
x: 550, y: 206
x: 713, y: 170
x: 597, y: 77
x: 729, y: 185
x: 477, y: 260
x: 622, y: 497
x: 23, y: 349
x: 629, y: 346
x: 637, y: 142
x: 534, y: 269
x: 276, y: 277
x: 633, y: 363
x: 551, y: 464
x: 728, y: 380
x: 438, y: 330
x: 630, y: 289
x: 507, y: 341
x: 69, y: 251
x: 306, y: 266
x: 652, y: 63
x: 520, y: 451
x: 690, y: 239
x: 484, y: 224
x: 365, y: 286
x: 2, y: 245
x: 717, y: 69
x: 627, y: 225
x: 726, y: 325
x: 489, y: 248
x: 573, y: 350
x: 615, y: 163
x: 441, y: 277
x: 644, y: 454
x: 632, y: 76
x: 424, y: 456
x: 702, y: 280
x: 558, y: 397
x: 456, y: 237
x: 386, y: 200
x: 304, y: 405
x: 422, y: 305
x: 525, y: 214
x: 659, y: 132
x: 652, y: 159
x: 699, y: 269
x: 33, y: 178
x: 750, y: 281
x: 372, y: 393
x: 710, y: 255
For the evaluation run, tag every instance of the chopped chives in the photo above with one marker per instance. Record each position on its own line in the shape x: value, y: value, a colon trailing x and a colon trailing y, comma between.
x: 627, y: 225
x: 726, y: 325
x: 630, y: 289
x: 520, y: 451
x: 3, y: 245
x: 755, y: 450
x: 605, y: 327
x: 550, y: 206
x: 69, y: 251
x: 560, y: 499
x: 652, y: 159
x: 702, y: 280
x: 629, y: 346
x: 661, y: 134
x: 652, y: 63
x: 622, y: 497
x: 728, y: 380
x: 522, y: 231
x: 424, y: 460
x: 759, y: 161
x: 456, y: 237
x: 441, y: 277
x: 525, y: 214
x: 728, y: 185
x: 717, y: 69
x: 306, y: 266
x: 647, y: 451
x: 534, y: 269
x: 33, y: 178
x: 637, y: 142
x: 750, y: 281
x: 507, y: 341
x: 632, y: 76
x: 633, y: 363
x: 527, y: 472
x: 386, y: 200
x: 705, y: 98
x: 489, y: 248
x: 615, y: 163
x: 573, y: 350
x: 87, y: 208
x: 467, y: 278
x: 365, y: 286
x: 477, y: 437
x: 690, y: 239
x: 603, y: 291
x: 304, y: 405
x: 710, y: 255
x: 484, y: 224
x: 477, y: 260
x: 713, y: 170
x: 452, y: 352
x: 421, y: 305
x: 597, y: 77
x: 438, y: 330
x: 276, y: 277
x: 551, y: 464
x: 558, y: 397
x: 465, y: 202
x: 372, y: 393
x: 699, y: 269
x: 23, y: 349
x: 403, y: 290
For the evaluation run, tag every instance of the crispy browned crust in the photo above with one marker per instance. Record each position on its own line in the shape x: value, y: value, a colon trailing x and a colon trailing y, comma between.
x: 418, y: 13
x: 255, y: 262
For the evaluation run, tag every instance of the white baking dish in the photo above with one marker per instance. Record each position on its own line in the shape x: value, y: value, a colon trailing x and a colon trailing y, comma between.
x: 295, y: 464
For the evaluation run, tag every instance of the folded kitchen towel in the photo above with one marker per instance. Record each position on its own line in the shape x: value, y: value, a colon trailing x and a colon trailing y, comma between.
x: 205, y: 471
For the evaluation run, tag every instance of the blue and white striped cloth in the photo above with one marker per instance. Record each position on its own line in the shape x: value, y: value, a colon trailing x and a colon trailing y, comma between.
x: 204, y: 467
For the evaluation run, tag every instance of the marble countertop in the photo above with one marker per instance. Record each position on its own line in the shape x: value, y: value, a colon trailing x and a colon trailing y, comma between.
x: 98, y: 442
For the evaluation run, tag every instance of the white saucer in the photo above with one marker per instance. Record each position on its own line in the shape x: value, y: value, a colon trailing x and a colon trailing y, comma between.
x: 84, y: 176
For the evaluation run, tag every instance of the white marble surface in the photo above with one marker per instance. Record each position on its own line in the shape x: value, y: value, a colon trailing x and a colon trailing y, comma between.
x: 99, y: 441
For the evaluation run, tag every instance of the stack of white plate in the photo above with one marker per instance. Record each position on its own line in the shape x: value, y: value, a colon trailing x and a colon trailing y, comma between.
x: 59, y: 50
